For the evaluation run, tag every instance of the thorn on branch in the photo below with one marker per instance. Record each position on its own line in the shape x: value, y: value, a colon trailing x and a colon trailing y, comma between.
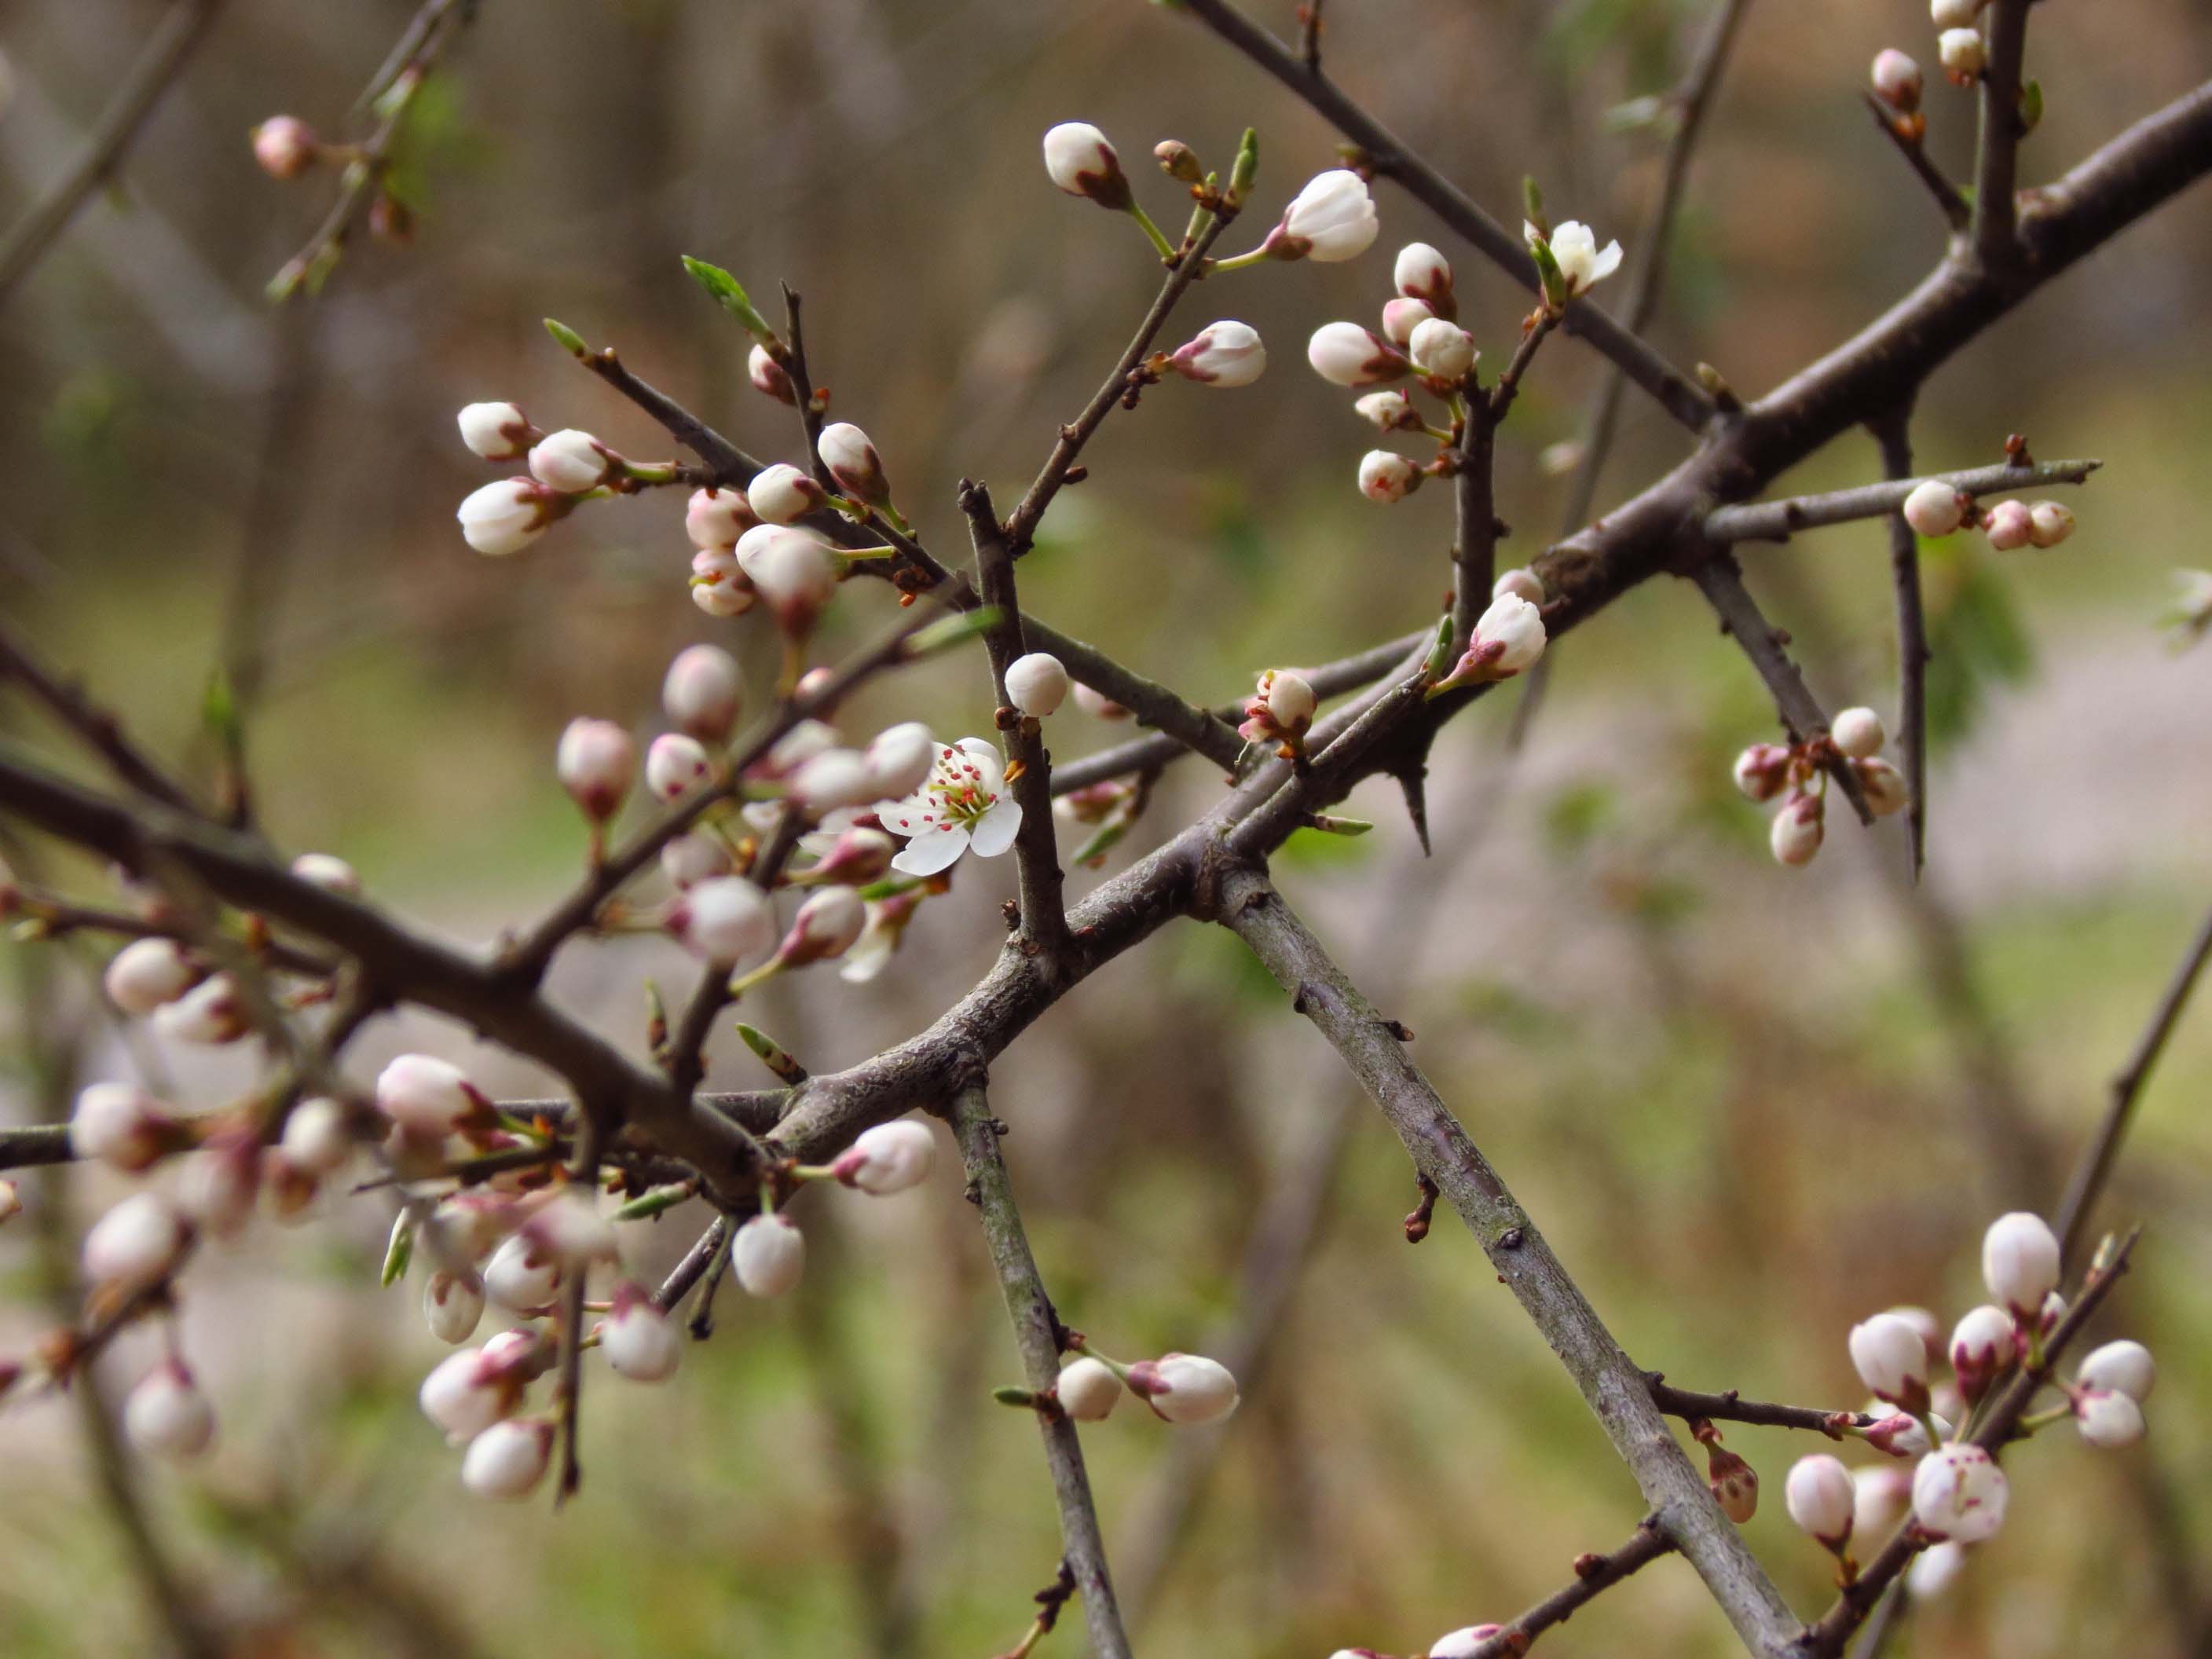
x: 1418, y: 1222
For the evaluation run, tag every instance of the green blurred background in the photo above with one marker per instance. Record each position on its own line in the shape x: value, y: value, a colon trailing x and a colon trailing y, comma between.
x: 1748, y: 1105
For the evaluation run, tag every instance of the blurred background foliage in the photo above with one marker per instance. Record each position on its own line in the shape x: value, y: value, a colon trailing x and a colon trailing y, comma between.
x: 1748, y: 1105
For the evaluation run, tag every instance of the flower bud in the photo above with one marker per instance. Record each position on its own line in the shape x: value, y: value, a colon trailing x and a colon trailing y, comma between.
x: 2050, y: 523
x: 2123, y: 1367
x: 640, y: 1343
x: 1291, y: 700
x: 1734, y: 1484
x: 826, y: 927
x: 1933, y: 1570
x: 1933, y: 508
x: 211, y: 1013
x: 1421, y: 273
x: 1402, y: 317
x: 1955, y: 13
x: 497, y: 431
x: 1900, y: 1434
x: 783, y: 495
x: 507, y: 516
x: 11, y: 1206
x: 453, y: 1305
x: 121, y: 1125
x: 572, y: 462
x: 1856, y: 733
x: 507, y: 1460
x: 725, y: 921
x: 887, y: 1158
x: 1761, y: 770
x: 853, y: 461
x: 1036, y: 683
x: 219, y: 1183
x: 719, y: 586
x: 1884, y: 785
x: 2108, y: 1419
x: 1882, y: 1493
x: 2019, y: 1262
x: 1344, y: 353
x: 1892, y: 1360
x: 147, y: 973
x: 1224, y: 354
x: 427, y: 1095
x: 1097, y: 704
x: 900, y: 757
x: 675, y: 765
x: 596, y: 763
x: 1387, y: 477
x: 523, y: 1275
x: 1794, y: 835
x: 694, y: 857
x: 1179, y: 162
x: 284, y: 147
x: 1509, y: 637
x: 1443, y: 349
x: 793, y: 570
x: 1330, y: 220
x: 1080, y: 161
x: 1184, y: 1388
x: 1389, y: 412
x: 701, y: 692
x: 1821, y: 1499
x: 769, y: 1253
x: 167, y: 1415
x: 1963, y: 54
x: 833, y: 779
x: 1464, y: 1643
x: 769, y: 377
x: 136, y: 1243
x: 1981, y: 1347
x: 468, y: 1392
x: 328, y: 871
x: 716, y: 517
x: 1958, y: 1492
x: 1897, y: 81
x: 858, y: 856
x: 1087, y: 1389
x: 1522, y: 582
x: 2010, y: 525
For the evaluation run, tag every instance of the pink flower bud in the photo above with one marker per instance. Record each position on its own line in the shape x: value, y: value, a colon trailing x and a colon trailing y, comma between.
x: 1897, y: 80
x: 137, y: 1243
x: 1330, y: 220
x: 2050, y: 523
x: 1882, y: 1493
x: 497, y: 431
x: 701, y: 693
x: 1079, y: 161
x: 1856, y: 733
x: 1344, y: 353
x: 1886, y: 789
x: 219, y: 1183
x: 833, y: 779
x: 1964, y: 55
x: 507, y: 1460
x: 428, y: 1096
x: 2010, y: 526
x: 826, y: 927
x: 769, y: 377
x: 854, y: 463
x: 505, y: 517
x: 793, y: 570
x: 719, y: 586
x: 1958, y: 1492
x: 1442, y: 350
x: 858, y: 856
x: 725, y: 921
x: 2019, y: 1262
x: 1402, y: 317
x: 1224, y: 354
x: 769, y: 1255
x: 783, y: 495
x: 572, y: 461
x: 523, y: 1275
x: 675, y: 765
x: 1794, y: 835
x: 716, y: 517
x: 453, y: 1305
x: 1521, y: 583
x: 1389, y: 411
x: 1422, y: 273
x: 1184, y: 1388
x: 1097, y: 704
x: 1036, y: 683
x: 1892, y: 1359
x: 1509, y: 637
x: 2107, y: 1418
x: 2124, y: 1367
x: 1386, y: 478
x: 689, y: 858
x: 1087, y: 1389
x: 1933, y: 508
x: 285, y: 146
x: 167, y: 1415
x: 1464, y: 1643
x: 1981, y: 1347
x: 121, y: 1125
x: 1820, y: 1498
x: 212, y: 1013
x: 1761, y: 770
x: 887, y: 1158
x: 639, y: 1342
x: 147, y: 973
x: 596, y: 763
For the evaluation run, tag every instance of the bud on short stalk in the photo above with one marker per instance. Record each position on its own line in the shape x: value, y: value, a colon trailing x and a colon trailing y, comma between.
x: 212, y: 1013
x: 702, y: 692
x: 1184, y: 1388
x: 507, y: 517
x: 1882, y: 1493
x: 853, y: 461
x: 675, y: 765
x: 507, y: 1460
x: 1521, y: 583
x: 793, y: 570
x: 1959, y: 1492
x: 497, y: 431
x: 2124, y: 1367
x: 2050, y: 523
x: 887, y: 1158
x: 1402, y: 317
x: 835, y: 778
x: 573, y: 461
x: 719, y: 586
x: 1884, y: 787
x: 428, y: 1096
x: 1762, y: 770
x: 1222, y: 354
x: 523, y: 1276
x: 1464, y: 1643
x: 1856, y: 733
x: 727, y: 921
x: 1982, y: 1346
x: 1795, y: 833
x: 826, y: 927
x: 220, y: 1182
x: 123, y: 1126
x: 638, y: 1339
x: 783, y: 495
x: 858, y: 856
x: 1087, y: 1389
x: 1821, y: 1499
x: 1421, y: 273
x: 770, y: 378
x: 2020, y: 1263
x: 1389, y: 412
x: 1279, y: 711
x: 899, y: 758
x: 284, y: 147
x: 695, y: 856
x: 1346, y: 354
x: 1734, y: 1484
x: 1509, y: 637
x: 1933, y: 508
x: 717, y: 517
x: 1442, y: 350
x: 1963, y: 54
x: 1892, y: 1359
x: 1900, y: 1434
x: 769, y: 1255
x: 1036, y: 683
x: 1955, y: 13
x: 1897, y: 81
x: 1079, y: 161
x: 1332, y: 219
x: 2108, y: 1419
x: 136, y: 1244
x: 2010, y: 525
x: 1387, y: 477
x: 147, y: 973
x: 166, y: 1416
x: 453, y: 1305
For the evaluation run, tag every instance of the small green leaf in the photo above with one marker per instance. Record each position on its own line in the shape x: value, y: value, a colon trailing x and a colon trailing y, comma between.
x: 731, y: 296
x: 2030, y: 107
x: 400, y: 1251
x: 1439, y: 658
x: 773, y: 1054
x: 949, y: 631
x: 1246, y: 167
x: 649, y: 1204
x: 1548, y: 272
x: 1329, y: 825
x: 219, y: 709
x: 1532, y: 205
x: 571, y: 342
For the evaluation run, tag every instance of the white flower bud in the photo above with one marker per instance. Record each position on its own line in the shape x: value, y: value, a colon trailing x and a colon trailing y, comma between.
x: 571, y: 1230
x: 1963, y: 54
x: 497, y: 431
x: 1080, y: 161
x: 454, y: 1304
x: 719, y: 586
x: 1933, y: 508
x: 1522, y: 583
x: 1184, y: 1388
x: 1402, y: 317
x: 1442, y: 349
x: 2124, y: 1367
x: 854, y: 463
x: 1900, y: 1434
x: 1761, y: 770
x: 792, y: 569
x: 211, y: 1013
x: 1820, y: 1498
x: 899, y: 759
x: 1036, y: 683
x: 596, y: 763
x: 2108, y: 1419
x: 1422, y: 273
x: 833, y: 779
x: 1897, y: 80
x: 826, y: 927
x: 284, y: 147
x: 1087, y: 1389
x: 887, y: 1158
x: 716, y: 517
x: 11, y: 1206
x: 2010, y: 525
x: 1224, y: 354
x: 701, y: 693
x: 783, y: 495
x: 427, y: 1095
x: 769, y: 377
x: 1291, y: 700
x: 1344, y: 353
x: 2050, y: 523
x: 1574, y: 245
x: 522, y: 1276
x: 1892, y: 1359
x: 1981, y: 1346
x: 1389, y: 412
x: 1857, y: 732
x: 147, y: 973
x: 1097, y: 704
x: 639, y: 1342
x: 219, y: 1183
x: 1933, y: 1570
x: 507, y: 1460
x: 675, y: 765
x: 725, y: 921
x: 769, y: 1255
x: 1509, y: 637
x: 1463, y: 1643
x: 328, y: 871
x: 572, y: 462
x: 1882, y: 1493
x: 2019, y: 1262
x: 167, y: 1415
x: 1331, y: 219
x: 1795, y: 835
x: 123, y: 1126
x: 1958, y: 1492
x: 695, y: 856
x: 1387, y: 477
x: 1886, y: 789
x: 1955, y: 13
x: 137, y: 1243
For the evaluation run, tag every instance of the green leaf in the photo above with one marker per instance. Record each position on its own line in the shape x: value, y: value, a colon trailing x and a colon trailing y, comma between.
x: 219, y: 709
x: 400, y: 1251
x: 1532, y: 203
x: 2030, y: 107
x: 570, y: 341
x: 1548, y: 272
x: 731, y: 296
x: 1247, y: 167
x: 949, y: 631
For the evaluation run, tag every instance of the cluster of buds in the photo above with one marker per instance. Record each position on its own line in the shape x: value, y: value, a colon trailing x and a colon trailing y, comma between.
x: 1279, y: 711
x: 565, y: 467
x: 1959, y: 39
x: 1182, y: 1389
x: 1461, y: 1644
x: 1798, y: 773
x: 1935, y: 509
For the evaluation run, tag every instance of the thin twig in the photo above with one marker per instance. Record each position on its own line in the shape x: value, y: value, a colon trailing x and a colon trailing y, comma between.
x: 1776, y: 522
x: 1729, y: 1407
x: 98, y: 730
x: 1594, y: 1575
x: 585, y: 1175
x: 1997, y: 155
x: 1893, y: 433
x: 1948, y: 201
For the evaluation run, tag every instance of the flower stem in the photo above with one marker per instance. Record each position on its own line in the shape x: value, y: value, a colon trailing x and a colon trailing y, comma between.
x: 1237, y: 261
x: 1167, y: 248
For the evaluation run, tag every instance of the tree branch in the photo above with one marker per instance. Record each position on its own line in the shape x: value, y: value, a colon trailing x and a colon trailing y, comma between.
x: 1692, y: 1406
x: 1997, y: 155
x: 1952, y: 205
x: 1893, y: 433
x: 1776, y: 521
x: 1594, y: 1575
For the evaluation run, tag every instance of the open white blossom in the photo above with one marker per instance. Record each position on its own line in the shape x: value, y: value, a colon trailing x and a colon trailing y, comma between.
x: 961, y: 805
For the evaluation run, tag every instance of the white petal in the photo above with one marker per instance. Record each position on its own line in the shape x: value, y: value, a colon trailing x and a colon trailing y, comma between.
x: 985, y: 754
x: 996, y: 830
x: 1607, y: 262
x: 932, y: 850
